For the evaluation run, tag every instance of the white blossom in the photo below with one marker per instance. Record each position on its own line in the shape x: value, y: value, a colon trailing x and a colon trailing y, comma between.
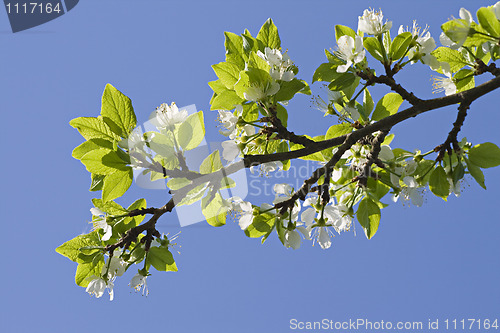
x: 372, y: 23
x: 281, y: 65
x: 445, y: 84
x: 138, y: 282
x: 97, y: 287
x: 245, y: 211
x: 99, y: 222
x: 230, y: 150
x: 268, y: 167
x: 350, y: 50
x: 169, y: 115
x: 411, y: 192
x: 425, y: 45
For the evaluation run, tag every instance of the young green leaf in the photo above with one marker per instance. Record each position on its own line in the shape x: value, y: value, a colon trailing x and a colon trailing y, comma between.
x: 485, y: 155
x: 476, y: 173
x: 191, y: 132
x: 452, y: 57
x: 400, y: 45
x: 269, y: 36
x: 372, y: 45
x: 368, y: 215
x: 387, y: 106
x: 342, y: 30
x: 261, y: 225
x: 71, y: 249
x: 116, y: 184
x: 94, y: 128
x: 117, y: 111
x: 228, y: 73
x: 215, y: 210
x: 489, y: 21
x: 85, y: 271
x: 104, y: 162
x: 438, y: 183
x: 161, y: 259
x: 211, y: 163
x: 234, y: 49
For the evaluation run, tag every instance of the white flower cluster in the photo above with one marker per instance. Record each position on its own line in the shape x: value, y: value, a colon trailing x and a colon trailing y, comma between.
x: 372, y: 22
x: 335, y: 216
x: 168, y: 116
x: 281, y: 65
x: 281, y: 69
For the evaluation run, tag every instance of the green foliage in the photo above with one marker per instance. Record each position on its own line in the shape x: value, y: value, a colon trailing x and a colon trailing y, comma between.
x: 485, y: 155
x: 342, y: 30
x: 368, y: 215
x: 117, y: 111
x: 387, y: 106
x: 455, y: 59
x: 261, y: 225
x: 161, y: 259
x: 489, y: 21
x: 269, y: 36
x: 191, y: 132
x: 400, y: 45
x: 438, y: 183
x: 214, y: 210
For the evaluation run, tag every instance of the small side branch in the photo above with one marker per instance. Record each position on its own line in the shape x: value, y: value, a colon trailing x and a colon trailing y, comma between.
x: 451, y: 140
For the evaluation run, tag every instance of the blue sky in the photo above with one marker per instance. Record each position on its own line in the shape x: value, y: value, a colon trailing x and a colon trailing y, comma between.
x: 435, y: 262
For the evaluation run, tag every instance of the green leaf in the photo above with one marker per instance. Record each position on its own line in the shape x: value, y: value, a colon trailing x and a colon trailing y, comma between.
x: 342, y: 30
x: 306, y: 90
x: 90, y: 145
x: 342, y: 81
x: 234, y: 49
x: 372, y: 45
x: 251, y: 44
x: 85, y: 271
x: 217, y: 86
x: 215, y: 210
x: 485, y: 155
x: 368, y: 215
x: 116, y: 184
x: 282, y: 114
x: 489, y: 21
x: 464, y: 80
x: 161, y: 259
x: 130, y: 222
x: 178, y: 183
x: 228, y: 73
x: 261, y: 225
x: 117, y: 111
x: 94, y: 128
x: 452, y: 57
x: 191, y: 132
x: 476, y: 173
x: 211, y: 163
x: 97, y: 182
x: 338, y: 130
x: 269, y: 36
x: 400, y: 45
x: 71, y: 249
x: 289, y: 89
x: 194, y: 195
x: 226, y: 100
x: 387, y: 106
x: 104, y: 162
x: 438, y: 182
x: 368, y: 102
x: 110, y: 207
